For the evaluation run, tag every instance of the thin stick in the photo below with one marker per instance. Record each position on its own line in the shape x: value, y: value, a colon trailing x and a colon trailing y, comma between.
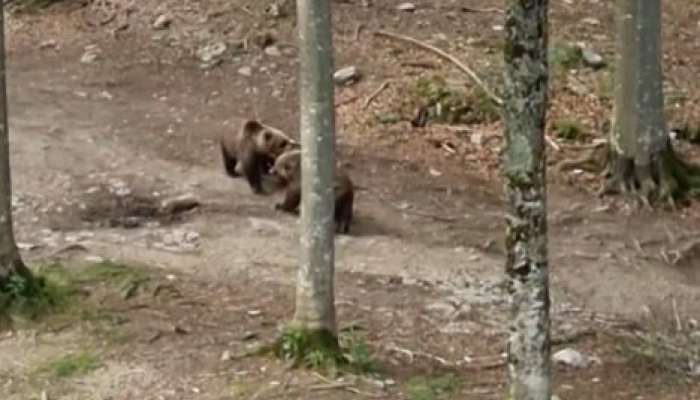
x: 376, y: 93
x: 445, y: 56
x: 482, y: 10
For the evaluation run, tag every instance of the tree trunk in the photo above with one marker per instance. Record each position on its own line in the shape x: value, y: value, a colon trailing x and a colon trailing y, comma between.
x: 10, y: 260
x: 526, y: 86
x: 315, y: 298
x: 642, y: 160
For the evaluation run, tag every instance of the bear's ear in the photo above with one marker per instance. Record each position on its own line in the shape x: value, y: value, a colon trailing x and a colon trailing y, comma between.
x: 252, y: 126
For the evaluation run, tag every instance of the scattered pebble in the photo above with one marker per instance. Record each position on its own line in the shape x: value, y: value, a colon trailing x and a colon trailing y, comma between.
x: 346, y: 75
x: 245, y: 71
x: 162, y: 21
x: 571, y: 358
x: 591, y: 58
x: 406, y: 7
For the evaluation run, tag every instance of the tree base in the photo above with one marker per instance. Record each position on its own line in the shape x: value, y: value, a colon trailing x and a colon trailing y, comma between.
x: 317, y: 348
x: 665, y: 179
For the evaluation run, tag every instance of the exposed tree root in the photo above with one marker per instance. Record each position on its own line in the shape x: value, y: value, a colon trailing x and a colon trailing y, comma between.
x: 666, y: 179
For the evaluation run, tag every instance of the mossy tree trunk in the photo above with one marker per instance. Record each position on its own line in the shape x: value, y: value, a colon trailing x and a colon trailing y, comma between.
x: 642, y: 161
x: 526, y: 89
x: 315, y: 297
x: 10, y: 260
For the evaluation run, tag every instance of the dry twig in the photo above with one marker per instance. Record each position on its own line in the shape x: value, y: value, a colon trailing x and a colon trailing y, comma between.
x: 445, y: 56
x: 376, y: 93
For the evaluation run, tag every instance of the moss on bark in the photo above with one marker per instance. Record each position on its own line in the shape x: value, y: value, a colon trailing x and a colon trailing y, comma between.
x: 310, y: 348
x: 665, y: 179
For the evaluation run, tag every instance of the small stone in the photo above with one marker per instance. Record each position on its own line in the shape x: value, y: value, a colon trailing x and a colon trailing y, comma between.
x: 406, y: 7
x: 571, y: 358
x: 162, y: 21
x: 591, y: 21
x: 273, y: 51
x: 477, y: 139
x: 89, y: 57
x: 27, y: 246
x: 48, y: 44
x: 226, y: 356
x: 94, y: 259
x: 245, y: 71
x: 211, y: 51
x: 254, y: 313
x: 346, y: 75
x: 591, y: 58
x: 181, y: 203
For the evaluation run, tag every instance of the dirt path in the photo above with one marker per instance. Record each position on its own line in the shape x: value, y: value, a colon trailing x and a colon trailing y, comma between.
x: 86, y: 135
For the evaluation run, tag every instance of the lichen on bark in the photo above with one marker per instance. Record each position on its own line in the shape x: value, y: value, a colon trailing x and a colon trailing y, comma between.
x: 526, y: 89
x: 315, y: 295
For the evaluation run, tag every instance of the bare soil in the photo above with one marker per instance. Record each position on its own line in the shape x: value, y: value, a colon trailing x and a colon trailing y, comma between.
x: 420, y: 272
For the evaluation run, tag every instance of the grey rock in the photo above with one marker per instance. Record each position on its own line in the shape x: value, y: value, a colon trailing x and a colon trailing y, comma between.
x: 179, y: 203
x: 346, y: 75
x: 571, y: 358
x: 245, y: 71
x: 406, y: 7
x: 591, y: 58
x: 477, y: 138
x: 210, y: 52
x: 273, y: 51
x: 90, y: 56
x: 163, y: 21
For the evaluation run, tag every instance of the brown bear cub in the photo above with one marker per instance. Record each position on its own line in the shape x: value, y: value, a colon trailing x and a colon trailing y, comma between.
x: 287, y: 168
x: 252, y: 151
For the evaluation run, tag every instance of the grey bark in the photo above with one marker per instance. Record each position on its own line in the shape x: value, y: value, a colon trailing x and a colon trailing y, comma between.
x: 526, y: 89
x: 639, y: 128
x: 315, y: 297
x: 10, y: 260
x: 642, y: 160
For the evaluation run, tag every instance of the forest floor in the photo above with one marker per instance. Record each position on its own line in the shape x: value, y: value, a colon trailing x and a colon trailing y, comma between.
x: 111, y: 113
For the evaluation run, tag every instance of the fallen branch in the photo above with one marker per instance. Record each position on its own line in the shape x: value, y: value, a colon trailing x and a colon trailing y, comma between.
x: 445, y: 56
x: 376, y: 93
x: 330, y: 384
x: 411, y: 354
x: 482, y: 10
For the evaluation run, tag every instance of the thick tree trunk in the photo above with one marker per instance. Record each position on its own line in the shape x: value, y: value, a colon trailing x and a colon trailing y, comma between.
x: 642, y: 160
x: 10, y: 260
x: 315, y: 298
x: 526, y: 86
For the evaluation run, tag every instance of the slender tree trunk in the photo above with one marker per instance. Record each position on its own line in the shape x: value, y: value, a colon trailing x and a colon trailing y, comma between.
x: 526, y: 86
x: 642, y: 160
x: 315, y: 298
x: 10, y: 260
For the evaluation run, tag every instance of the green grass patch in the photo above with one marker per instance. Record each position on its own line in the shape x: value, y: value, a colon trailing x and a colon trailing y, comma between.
x: 321, y: 350
x: 71, y: 365
x: 436, y: 387
x: 359, y: 354
x: 47, y: 291
x: 57, y: 289
x: 566, y: 56
x: 453, y: 104
x: 568, y: 129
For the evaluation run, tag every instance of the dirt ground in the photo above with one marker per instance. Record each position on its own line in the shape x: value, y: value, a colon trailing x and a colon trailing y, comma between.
x: 96, y: 145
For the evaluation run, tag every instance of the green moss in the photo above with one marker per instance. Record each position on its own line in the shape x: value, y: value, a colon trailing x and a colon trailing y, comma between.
x: 568, y: 129
x: 359, y: 355
x: 316, y: 349
x: 455, y: 105
x: 566, y: 56
x: 438, y: 387
x: 48, y: 291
